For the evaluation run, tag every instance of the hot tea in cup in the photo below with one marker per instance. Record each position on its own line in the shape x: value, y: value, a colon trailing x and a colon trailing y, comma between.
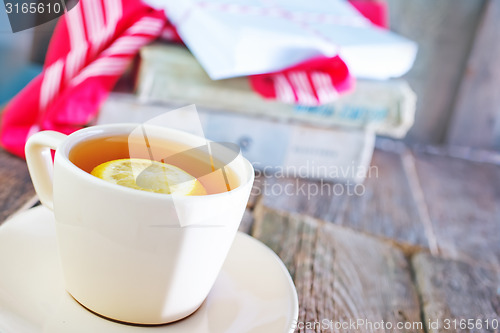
x: 211, y: 173
x: 135, y: 255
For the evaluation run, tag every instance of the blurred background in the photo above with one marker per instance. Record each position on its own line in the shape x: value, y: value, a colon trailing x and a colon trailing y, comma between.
x: 455, y: 77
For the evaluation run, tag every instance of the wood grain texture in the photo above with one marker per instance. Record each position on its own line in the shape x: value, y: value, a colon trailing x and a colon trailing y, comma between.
x: 340, y: 275
x: 383, y: 206
x: 476, y: 118
x: 455, y: 290
x: 319, y: 199
x: 246, y: 222
x: 463, y: 201
x: 445, y: 31
x: 16, y: 188
x: 387, y: 207
x: 256, y: 190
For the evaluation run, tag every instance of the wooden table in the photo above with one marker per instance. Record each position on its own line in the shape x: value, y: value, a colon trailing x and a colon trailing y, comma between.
x: 420, y: 247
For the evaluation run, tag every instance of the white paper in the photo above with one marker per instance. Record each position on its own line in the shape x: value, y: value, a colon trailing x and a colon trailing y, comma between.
x: 233, y: 38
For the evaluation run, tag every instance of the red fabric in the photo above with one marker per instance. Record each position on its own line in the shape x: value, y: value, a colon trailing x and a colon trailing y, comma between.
x: 87, y: 54
x: 298, y: 84
x: 376, y: 11
x: 313, y: 82
x: 94, y: 43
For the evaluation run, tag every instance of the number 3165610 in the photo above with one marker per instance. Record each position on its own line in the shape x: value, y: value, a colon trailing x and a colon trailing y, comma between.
x: 33, y: 8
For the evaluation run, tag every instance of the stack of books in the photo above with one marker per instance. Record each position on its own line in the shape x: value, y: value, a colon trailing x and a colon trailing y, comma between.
x: 332, y: 141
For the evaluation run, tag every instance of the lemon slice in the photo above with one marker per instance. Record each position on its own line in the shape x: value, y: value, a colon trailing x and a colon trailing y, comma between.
x: 151, y: 176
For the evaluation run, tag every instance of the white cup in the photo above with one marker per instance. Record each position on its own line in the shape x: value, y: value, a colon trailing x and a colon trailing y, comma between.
x: 124, y: 255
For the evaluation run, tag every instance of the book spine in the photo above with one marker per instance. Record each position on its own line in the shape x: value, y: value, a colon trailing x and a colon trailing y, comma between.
x: 274, y: 147
x: 386, y: 107
x: 295, y: 150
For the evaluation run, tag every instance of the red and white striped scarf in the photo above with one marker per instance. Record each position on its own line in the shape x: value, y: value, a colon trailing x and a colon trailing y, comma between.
x: 92, y: 46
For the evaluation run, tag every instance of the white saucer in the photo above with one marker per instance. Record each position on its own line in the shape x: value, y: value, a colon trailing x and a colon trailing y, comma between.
x: 253, y: 294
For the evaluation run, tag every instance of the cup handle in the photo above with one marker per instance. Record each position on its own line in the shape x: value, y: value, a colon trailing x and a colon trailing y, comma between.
x: 40, y: 166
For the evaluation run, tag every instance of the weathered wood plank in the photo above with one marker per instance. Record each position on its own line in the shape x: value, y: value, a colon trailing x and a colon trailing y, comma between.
x: 383, y: 206
x: 456, y: 291
x: 461, y: 152
x: 320, y: 199
x: 256, y: 189
x: 463, y: 202
x: 340, y: 275
x: 16, y: 188
x: 444, y: 31
x: 387, y: 207
x: 246, y: 222
x: 476, y: 118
